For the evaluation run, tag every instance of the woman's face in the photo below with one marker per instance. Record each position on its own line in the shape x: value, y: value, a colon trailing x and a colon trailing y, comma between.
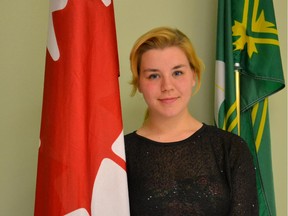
x: 166, y: 81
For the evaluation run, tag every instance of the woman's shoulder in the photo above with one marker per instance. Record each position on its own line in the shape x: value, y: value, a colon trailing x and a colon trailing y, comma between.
x: 130, y: 135
x: 229, y: 148
x: 221, y: 134
x: 224, y: 139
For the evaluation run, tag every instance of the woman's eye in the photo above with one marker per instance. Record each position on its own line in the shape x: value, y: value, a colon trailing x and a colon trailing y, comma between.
x: 153, y: 76
x: 177, y: 73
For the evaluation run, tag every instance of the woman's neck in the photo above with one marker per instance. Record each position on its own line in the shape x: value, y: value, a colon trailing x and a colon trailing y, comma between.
x: 169, y: 129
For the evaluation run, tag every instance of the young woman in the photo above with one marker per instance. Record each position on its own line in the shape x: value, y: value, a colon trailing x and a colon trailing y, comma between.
x: 177, y: 165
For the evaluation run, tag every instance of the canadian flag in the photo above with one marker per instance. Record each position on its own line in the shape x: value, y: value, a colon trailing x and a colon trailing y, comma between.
x: 81, y: 161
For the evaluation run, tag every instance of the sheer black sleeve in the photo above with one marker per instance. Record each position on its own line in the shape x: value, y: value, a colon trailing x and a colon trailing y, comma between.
x: 234, y: 157
x: 243, y: 181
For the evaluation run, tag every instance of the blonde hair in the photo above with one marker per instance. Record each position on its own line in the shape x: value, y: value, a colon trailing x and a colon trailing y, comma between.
x: 160, y: 38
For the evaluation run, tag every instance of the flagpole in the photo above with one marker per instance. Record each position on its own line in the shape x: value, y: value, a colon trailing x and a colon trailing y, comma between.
x: 237, y: 82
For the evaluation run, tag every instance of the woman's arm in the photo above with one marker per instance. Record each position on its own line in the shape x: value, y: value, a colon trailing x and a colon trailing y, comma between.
x: 243, y: 180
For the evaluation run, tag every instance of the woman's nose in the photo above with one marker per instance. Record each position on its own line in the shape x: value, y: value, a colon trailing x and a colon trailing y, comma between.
x: 166, y: 84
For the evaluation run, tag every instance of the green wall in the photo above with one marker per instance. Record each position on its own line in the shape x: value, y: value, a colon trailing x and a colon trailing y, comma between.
x: 23, y: 37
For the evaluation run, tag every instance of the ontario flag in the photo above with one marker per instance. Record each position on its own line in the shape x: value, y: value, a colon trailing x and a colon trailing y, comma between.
x: 81, y: 161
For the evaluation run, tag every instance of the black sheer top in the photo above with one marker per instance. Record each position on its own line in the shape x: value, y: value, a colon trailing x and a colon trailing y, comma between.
x: 209, y: 173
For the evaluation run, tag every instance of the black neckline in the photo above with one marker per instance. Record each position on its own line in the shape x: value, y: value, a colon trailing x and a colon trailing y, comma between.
x: 192, y: 136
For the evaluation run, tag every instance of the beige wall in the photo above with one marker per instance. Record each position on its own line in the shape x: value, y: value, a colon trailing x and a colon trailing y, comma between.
x: 22, y: 53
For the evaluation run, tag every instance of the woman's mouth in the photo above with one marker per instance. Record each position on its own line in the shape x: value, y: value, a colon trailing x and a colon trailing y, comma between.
x: 168, y: 100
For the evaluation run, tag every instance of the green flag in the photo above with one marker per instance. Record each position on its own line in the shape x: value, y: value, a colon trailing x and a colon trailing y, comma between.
x: 247, y: 42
